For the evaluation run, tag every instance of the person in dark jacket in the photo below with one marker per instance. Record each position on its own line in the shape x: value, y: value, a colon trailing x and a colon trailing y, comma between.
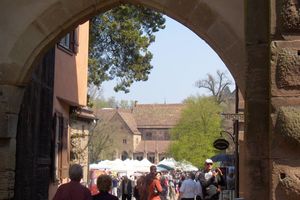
x: 126, y: 188
x: 104, y: 183
x: 73, y: 190
x: 211, y: 181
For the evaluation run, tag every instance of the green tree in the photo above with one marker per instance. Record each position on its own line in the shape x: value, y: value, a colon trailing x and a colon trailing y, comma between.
x: 100, y: 140
x: 198, y: 127
x: 119, y: 41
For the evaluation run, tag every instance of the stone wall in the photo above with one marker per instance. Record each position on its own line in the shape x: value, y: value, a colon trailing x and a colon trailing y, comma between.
x: 285, y: 100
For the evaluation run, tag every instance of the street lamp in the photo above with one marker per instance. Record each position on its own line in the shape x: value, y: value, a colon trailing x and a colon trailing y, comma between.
x: 235, y: 139
x: 223, y: 144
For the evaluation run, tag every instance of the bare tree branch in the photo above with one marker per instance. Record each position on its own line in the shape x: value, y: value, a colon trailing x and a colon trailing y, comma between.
x: 216, y: 85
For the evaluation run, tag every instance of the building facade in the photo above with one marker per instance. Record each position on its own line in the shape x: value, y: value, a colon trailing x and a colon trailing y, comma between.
x: 140, y: 132
x: 72, y: 119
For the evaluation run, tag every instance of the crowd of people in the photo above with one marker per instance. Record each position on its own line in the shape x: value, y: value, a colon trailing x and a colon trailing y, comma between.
x: 200, y: 185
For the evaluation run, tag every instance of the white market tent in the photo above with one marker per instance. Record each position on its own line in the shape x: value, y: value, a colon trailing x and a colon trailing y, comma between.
x: 180, y: 165
x: 130, y: 167
x: 127, y: 166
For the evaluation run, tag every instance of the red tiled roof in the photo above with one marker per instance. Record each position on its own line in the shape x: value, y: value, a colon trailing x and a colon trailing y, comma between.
x: 105, y: 114
x: 130, y: 121
x: 157, y: 115
x: 150, y: 146
x: 145, y: 115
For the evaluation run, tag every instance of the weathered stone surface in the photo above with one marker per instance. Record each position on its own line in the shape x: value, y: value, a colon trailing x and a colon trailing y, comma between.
x: 288, y: 69
x: 7, y: 154
x: 283, y: 101
x: 288, y: 124
x: 285, y: 68
x: 7, y: 184
x: 287, y: 181
x: 290, y: 16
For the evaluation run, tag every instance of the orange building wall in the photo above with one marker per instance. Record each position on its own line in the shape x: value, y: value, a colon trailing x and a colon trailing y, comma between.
x: 70, y: 81
x: 70, y: 84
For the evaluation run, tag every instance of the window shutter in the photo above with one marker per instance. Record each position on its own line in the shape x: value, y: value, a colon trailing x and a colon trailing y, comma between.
x: 65, y: 150
x: 59, y: 145
x: 76, y: 40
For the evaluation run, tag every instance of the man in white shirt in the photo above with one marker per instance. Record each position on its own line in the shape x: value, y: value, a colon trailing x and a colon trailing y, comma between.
x: 188, y: 189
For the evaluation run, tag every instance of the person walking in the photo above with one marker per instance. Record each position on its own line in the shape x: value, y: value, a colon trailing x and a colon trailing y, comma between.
x: 146, y: 183
x: 115, y: 183
x: 138, y: 188
x: 199, y: 190
x: 73, y: 190
x: 104, y: 184
x: 155, y: 188
x: 126, y: 188
x: 188, y: 189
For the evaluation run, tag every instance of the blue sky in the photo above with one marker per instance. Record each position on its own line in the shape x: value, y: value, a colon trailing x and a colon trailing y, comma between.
x: 180, y: 58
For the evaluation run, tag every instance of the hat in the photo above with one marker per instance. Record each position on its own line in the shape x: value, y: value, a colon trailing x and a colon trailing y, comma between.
x: 209, y: 161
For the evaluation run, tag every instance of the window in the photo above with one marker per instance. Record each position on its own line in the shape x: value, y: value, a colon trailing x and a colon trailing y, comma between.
x: 124, y: 141
x: 166, y: 136
x: 148, y: 136
x: 66, y: 41
x: 69, y: 43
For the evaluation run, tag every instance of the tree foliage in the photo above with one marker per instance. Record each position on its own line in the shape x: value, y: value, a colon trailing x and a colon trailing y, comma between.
x: 99, y: 140
x: 218, y: 85
x: 119, y: 41
x: 198, y: 127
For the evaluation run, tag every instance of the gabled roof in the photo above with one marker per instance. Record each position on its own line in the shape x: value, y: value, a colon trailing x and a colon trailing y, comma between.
x: 130, y: 121
x: 105, y: 114
x: 144, y: 115
x: 157, y: 115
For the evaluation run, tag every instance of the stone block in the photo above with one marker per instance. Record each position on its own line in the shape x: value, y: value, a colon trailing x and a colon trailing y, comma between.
x: 285, y: 68
x: 222, y: 35
x: 277, y: 102
x: 257, y: 78
x: 257, y: 22
x: 257, y: 188
x: 10, y: 98
x: 288, y: 71
x: 7, y: 154
x: 288, y: 125
x: 8, y: 125
x: 10, y: 73
x: 289, y: 16
x: 201, y: 18
x: 286, y: 179
x: 157, y: 5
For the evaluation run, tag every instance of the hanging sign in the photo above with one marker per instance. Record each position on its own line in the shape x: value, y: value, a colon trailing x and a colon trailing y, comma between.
x: 221, y: 144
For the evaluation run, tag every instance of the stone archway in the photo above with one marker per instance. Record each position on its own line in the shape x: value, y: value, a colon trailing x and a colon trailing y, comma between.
x: 242, y: 40
x: 220, y: 24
